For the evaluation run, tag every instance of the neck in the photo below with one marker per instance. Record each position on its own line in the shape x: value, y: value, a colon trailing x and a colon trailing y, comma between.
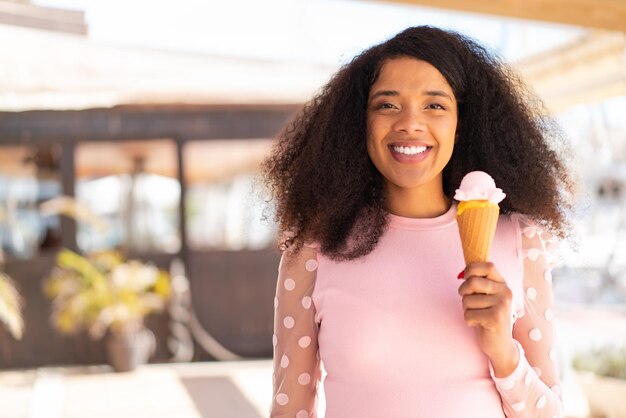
x: 417, y: 203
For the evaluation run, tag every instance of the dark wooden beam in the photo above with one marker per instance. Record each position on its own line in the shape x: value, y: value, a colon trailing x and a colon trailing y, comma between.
x: 182, y: 203
x: 119, y: 123
x: 601, y: 14
x: 68, y: 168
x: 45, y: 18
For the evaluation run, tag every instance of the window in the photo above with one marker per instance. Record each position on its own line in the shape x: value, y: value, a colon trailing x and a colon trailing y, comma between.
x: 29, y: 177
x: 224, y: 203
x: 133, y: 194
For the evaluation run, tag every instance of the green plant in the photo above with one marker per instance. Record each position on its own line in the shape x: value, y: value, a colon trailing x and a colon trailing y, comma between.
x: 103, y: 291
x: 10, y: 306
x: 607, y: 361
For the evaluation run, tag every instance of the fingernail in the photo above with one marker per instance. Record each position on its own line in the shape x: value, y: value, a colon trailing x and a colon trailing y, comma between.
x: 461, y: 275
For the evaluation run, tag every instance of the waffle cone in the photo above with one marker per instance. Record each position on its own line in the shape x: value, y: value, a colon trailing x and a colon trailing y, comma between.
x: 477, y: 227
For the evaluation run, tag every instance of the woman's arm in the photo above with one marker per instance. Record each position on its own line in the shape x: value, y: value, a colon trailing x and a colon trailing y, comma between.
x: 533, y: 390
x: 296, y: 359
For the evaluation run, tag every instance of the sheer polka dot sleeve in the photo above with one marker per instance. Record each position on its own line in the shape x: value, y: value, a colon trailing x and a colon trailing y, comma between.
x: 532, y: 390
x: 296, y: 359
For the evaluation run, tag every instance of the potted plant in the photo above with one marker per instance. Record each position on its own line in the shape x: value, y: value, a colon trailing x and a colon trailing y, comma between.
x: 602, y: 374
x: 106, y: 295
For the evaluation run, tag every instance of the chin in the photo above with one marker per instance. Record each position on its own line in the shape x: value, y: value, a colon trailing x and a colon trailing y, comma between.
x: 406, y: 183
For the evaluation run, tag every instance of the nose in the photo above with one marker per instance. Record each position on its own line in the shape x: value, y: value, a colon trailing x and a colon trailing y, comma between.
x: 409, y: 120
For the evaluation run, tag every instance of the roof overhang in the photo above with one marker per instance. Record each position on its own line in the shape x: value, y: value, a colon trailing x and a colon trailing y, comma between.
x: 600, y: 14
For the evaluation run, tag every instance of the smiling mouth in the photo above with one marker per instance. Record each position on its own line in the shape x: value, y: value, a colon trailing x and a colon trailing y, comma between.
x: 410, y: 150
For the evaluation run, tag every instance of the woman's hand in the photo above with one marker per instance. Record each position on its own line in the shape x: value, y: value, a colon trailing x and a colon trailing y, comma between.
x: 487, y: 306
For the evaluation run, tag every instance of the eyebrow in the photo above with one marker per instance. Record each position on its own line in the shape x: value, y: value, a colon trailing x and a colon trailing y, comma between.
x: 436, y: 93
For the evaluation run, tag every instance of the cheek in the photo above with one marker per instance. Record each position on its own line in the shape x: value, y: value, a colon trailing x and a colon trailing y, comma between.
x: 446, y: 143
x: 449, y: 132
x: 371, y: 149
x: 371, y: 140
x: 448, y: 148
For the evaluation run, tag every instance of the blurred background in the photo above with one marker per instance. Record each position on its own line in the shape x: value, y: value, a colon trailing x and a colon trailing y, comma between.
x: 134, y: 130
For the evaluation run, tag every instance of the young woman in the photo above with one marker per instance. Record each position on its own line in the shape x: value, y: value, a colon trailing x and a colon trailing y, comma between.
x: 363, y: 184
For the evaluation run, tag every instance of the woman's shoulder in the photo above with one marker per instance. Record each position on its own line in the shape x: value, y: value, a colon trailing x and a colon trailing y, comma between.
x: 296, y: 248
x: 291, y: 243
x: 300, y: 259
x: 530, y: 227
x: 535, y: 238
x: 312, y: 245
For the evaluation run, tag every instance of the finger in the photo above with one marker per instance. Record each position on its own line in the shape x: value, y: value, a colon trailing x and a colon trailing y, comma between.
x: 484, y: 270
x: 492, y: 318
x: 487, y: 318
x: 475, y: 301
x: 481, y: 285
x: 477, y: 317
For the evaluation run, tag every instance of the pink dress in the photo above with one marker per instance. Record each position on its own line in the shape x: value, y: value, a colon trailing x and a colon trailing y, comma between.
x: 389, y: 328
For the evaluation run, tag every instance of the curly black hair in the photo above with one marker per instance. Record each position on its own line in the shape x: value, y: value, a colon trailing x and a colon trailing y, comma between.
x: 326, y: 189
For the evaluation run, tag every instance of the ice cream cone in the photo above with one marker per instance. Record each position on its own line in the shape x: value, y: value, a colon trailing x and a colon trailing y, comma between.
x: 477, y: 228
x: 477, y: 215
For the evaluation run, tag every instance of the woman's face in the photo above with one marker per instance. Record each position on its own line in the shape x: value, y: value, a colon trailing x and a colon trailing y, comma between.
x: 411, y: 124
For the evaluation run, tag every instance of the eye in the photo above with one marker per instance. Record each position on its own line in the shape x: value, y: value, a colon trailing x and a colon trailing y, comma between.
x: 436, y: 106
x: 384, y: 105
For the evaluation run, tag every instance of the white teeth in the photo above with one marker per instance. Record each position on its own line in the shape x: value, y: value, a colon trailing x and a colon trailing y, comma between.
x: 409, y: 150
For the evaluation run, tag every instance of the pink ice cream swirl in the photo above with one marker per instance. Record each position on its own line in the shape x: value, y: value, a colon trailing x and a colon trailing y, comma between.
x: 478, y: 185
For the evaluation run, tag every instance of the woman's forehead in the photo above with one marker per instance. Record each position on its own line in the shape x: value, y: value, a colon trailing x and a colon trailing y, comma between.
x: 404, y: 73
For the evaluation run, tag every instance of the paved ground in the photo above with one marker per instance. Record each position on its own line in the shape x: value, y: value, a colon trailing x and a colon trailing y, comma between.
x: 213, y: 390
x: 195, y: 390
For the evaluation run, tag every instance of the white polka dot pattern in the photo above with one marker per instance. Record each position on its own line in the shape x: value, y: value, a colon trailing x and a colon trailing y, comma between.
x: 552, y: 354
x: 311, y: 265
x: 530, y: 231
x: 541, y: 402
x: 533, y: 394
x: 533, y: 254
x: 304, y: 342
x: 519, y: 406
x: 535, y: 334
x: 290, y: 284
x: 548, y: 314
x: 296, y: 366
x: 548, y: 276
x: 304, y: 379
x: 289, y: 322
x: 528, y: 379
x: 282, y: 399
